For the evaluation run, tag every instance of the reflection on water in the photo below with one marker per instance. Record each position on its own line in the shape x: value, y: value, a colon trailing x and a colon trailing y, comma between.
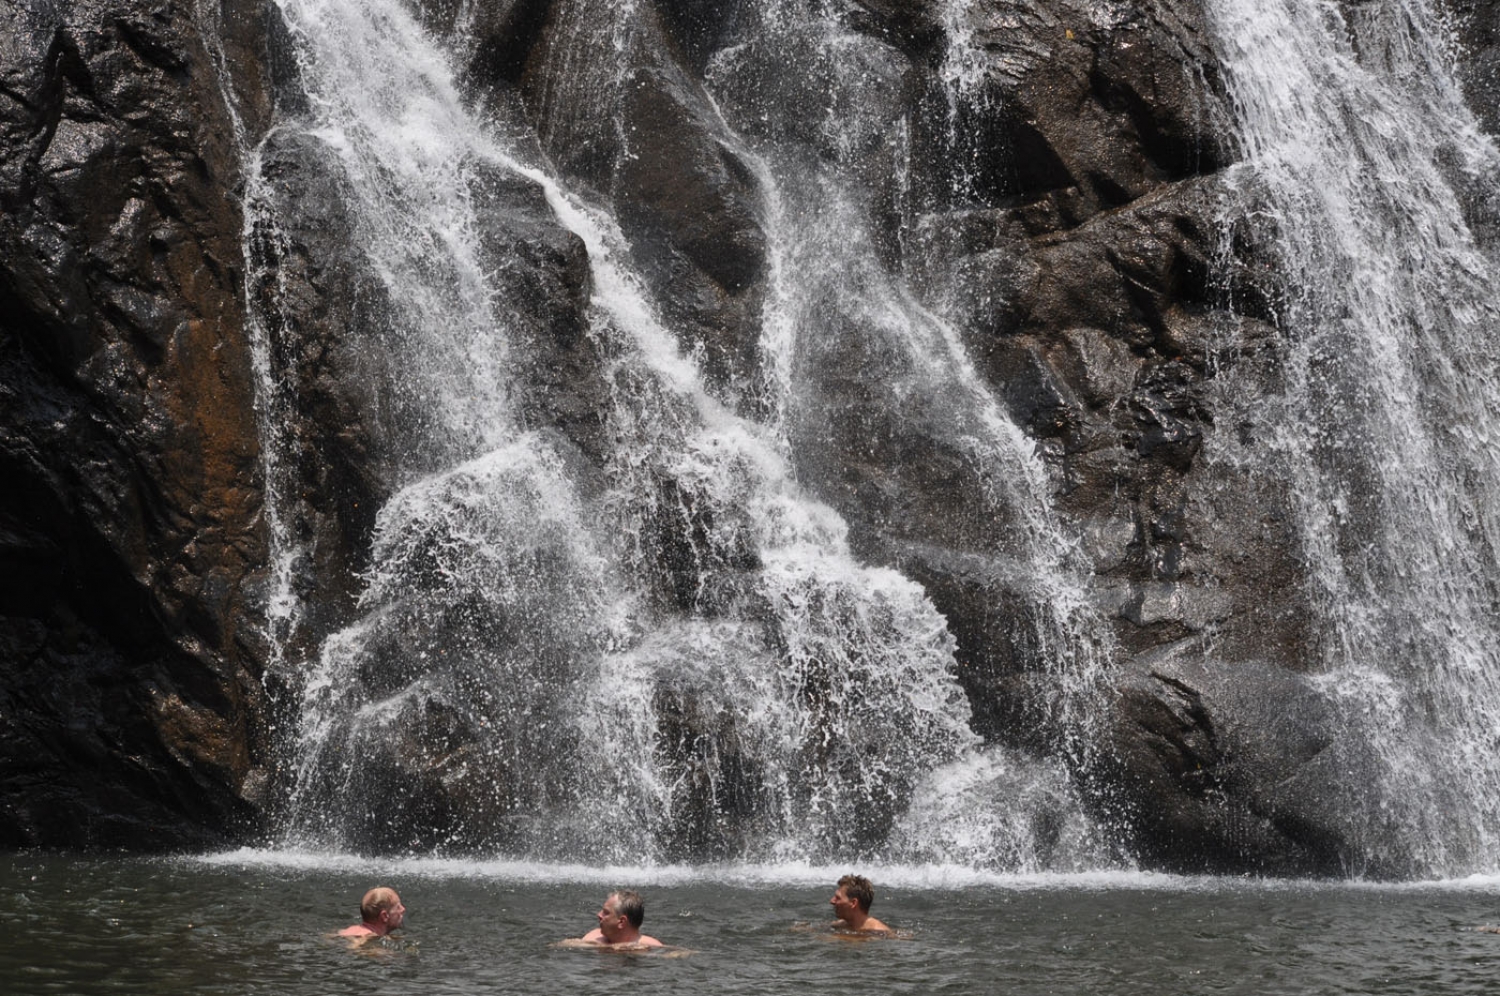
x: 256, y: 923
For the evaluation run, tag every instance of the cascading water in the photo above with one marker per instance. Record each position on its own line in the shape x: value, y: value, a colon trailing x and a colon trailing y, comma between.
x: 675, y: 654
x: 281, y: 602
x: 485, y: 586
x: 832, y: 297
x: 1361, y: 159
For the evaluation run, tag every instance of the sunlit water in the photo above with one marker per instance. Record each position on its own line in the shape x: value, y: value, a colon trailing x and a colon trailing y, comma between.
x: 258, y: 923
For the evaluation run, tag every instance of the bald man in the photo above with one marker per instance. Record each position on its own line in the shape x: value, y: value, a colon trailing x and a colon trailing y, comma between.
x: 380, y: 912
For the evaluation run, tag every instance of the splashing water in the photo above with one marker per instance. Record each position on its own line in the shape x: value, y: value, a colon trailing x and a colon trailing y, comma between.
x: 673, y: 654
x: 1361, y: 157
x: 833, y: 296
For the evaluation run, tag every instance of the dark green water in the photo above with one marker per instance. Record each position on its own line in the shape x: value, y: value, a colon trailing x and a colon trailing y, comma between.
x: 257, y: 923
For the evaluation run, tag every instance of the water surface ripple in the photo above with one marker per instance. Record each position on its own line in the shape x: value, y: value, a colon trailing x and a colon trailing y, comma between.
x: 252, y: 922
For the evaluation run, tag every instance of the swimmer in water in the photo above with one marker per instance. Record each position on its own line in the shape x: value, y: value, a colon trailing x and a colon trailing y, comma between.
x: 851, y: 905
x: 620, y: 920
x: 380, y: 912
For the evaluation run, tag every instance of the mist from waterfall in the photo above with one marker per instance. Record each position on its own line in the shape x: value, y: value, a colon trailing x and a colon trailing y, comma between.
x: 523, y: 676
x: 1361, y: 160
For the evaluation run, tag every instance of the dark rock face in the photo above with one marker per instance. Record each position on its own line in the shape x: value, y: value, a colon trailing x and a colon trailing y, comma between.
x: 651, y: 144
x: 1228, y: 771
x: 312, y: 292
x: 1478, y: 26
x: 132, y: 708
x: 1478, y: 30
x: 1072, y: 232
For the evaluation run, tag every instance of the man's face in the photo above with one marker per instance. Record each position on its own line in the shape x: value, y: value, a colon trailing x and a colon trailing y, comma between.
x: 843, y: 906
x: 611, y: 924
x: 395, y: 916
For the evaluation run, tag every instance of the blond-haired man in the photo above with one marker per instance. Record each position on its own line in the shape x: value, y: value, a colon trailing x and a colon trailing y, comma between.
x: 380, y: 912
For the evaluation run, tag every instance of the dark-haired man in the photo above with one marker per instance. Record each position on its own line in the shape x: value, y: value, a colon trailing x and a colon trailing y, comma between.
x: 851, y: 904
x: 380, y: 912
x: 620, y: 920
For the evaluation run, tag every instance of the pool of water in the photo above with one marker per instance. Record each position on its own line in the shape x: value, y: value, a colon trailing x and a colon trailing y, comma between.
x: 257, y: 922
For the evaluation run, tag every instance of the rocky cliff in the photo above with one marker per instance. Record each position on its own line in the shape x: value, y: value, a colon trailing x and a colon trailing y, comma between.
x: 1073, y: 233
x: 132, y: 705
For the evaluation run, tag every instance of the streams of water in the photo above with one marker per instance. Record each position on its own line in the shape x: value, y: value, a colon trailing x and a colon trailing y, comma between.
x: 1362, y: 158
x: 496, y: 607
x: 516, y: 624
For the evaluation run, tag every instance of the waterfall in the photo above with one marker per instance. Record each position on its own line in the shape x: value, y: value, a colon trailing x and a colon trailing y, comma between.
x: 486, y: 587
x: 673, y: 651
x: 1361, y: 160
x: 833, y: 295
x: 272, y: 405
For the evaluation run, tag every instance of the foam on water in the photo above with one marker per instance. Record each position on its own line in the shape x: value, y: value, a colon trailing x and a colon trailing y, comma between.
x: 936, y: 877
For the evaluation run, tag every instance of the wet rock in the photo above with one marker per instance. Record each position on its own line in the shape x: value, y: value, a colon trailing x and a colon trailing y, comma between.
x: 545, y: 269
x: 127, y: 436
x: 494, y: 39
x: 1478, y: 28
x: 1477, y: 52
x: 1051, y: 190
x: 631, y: 122
x: 690, y: 208
x: 1232, y: 770
x: 1094, y: 106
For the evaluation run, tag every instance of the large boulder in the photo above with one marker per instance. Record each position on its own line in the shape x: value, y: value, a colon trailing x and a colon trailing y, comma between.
x: 1230, y: 769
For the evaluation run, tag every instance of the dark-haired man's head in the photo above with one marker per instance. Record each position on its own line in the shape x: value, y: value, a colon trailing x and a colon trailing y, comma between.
x: 851, y: 905
x: 859, y: 889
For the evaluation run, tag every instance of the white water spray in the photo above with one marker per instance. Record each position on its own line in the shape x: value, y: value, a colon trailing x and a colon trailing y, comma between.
x: 521, y: 655
x: 1361, y: 155
x: 831, y: 293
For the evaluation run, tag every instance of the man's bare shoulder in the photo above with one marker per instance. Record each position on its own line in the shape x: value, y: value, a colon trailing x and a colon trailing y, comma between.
x: 870, y: 930
x: 586, y: 943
